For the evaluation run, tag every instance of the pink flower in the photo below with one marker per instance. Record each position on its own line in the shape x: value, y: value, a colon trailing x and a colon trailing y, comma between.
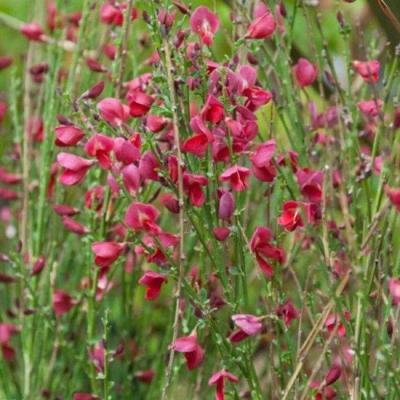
x: 68, y: 135
x: 95, y: 91
x: 100, y: 146
x: 74, y: 168
x: 205, y: 24
x: 131, y: 178
x: 394, y: 289
x: 139, y: 103
x: 62, y: 302
x: 310, y: 183
x: 8, y: 177
x: 149, y: 166
x: 38, y: 266
x: 263, y: 249
x: 333, y: 321
x: 113, y: 111
x: 394, y: 196
x: 74, y: 226
x: 226, y: 206
x: 142, y: 217
x: 191, y: 349
x: 125, y: 151
x: 32, y: 31
x: 153, y: 281
x: 287, y: 312
x: 85, y: 396
x: 192, y: 185
x: 237, y: 177
x: 170, y: 203
x: 368, y: 70
x: 262, y: 160
x: 106, y: 252
x: 213, y: 110
x: 370, y: 108
x: 97, y: 355
x: 5, y: 61
x: 333, y: 375
x: 263, y: 25
x: 218, y: 379
x: 248, y: 325
x: 155, y: 123
x: 6, y: 331
x: 305, y: 72
x: 256, y: 97
x: 145, y: 376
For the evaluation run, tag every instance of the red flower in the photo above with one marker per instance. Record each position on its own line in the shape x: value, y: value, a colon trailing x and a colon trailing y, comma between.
x: 218, y: 378
x: 106, y: 252
x: 100, y: 146
x: 198, y: 143
x: 153, y: 281
x: 213, y: 110
x: 261, y: 246
x: 191, y: 349
x: 291, y: 216
x: 145, y: 376
x: 310, y: 183
x: 74, y: 168
x: 139, y: 103
x: 205, y: 24
x: 221, y: 233
x: 368, y: 70
x: 33, y: 31
x: 248, y: 325
x: 263, y: 25
x: 237, y: 177
x: 305, y: 72
x: 287, y: 312
x: 262, y: 160
x: 192, y: 185
x: 68, y: 135
x: 142, y: 217
x: 62, y: 302
x: 113, y: 111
